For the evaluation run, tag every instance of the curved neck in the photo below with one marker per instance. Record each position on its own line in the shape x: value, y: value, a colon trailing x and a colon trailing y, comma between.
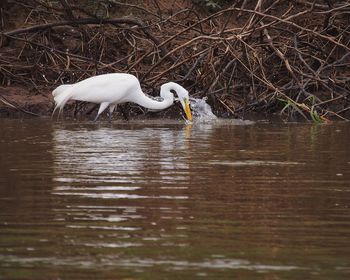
x: 152, y: 104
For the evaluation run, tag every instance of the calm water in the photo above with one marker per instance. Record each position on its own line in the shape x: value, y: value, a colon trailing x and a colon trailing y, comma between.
x: 153, y: 200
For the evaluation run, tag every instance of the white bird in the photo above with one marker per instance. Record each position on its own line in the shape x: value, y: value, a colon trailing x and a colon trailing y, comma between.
x: 108, y: 90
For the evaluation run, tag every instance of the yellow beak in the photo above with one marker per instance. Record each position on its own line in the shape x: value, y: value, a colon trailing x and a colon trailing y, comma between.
x: 188, y: 110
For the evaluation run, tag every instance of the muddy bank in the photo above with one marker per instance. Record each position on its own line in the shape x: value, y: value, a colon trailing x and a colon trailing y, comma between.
x: 18, y: 101
x: 267, y: 57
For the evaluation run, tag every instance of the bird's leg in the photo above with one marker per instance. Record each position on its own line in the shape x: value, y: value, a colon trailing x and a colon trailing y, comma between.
x: 125, y: 115
x: 95, y: 119
x: 76, y: 108
x: 103, y: 107
x: 110, y: 112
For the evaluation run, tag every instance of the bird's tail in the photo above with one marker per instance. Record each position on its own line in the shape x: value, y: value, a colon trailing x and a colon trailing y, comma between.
x: 61, y: 95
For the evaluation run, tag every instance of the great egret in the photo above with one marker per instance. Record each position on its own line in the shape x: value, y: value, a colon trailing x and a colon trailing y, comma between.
x: 115, y: 88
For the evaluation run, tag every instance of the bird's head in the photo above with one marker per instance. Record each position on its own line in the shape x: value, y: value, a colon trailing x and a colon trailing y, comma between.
x: 182, y: 96
x: 185, y: 102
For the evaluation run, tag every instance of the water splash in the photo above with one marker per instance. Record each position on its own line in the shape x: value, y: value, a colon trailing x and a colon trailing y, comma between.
x: 201, y: 109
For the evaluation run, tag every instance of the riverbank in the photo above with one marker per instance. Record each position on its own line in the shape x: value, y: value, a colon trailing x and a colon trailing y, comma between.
x: 282, y: 58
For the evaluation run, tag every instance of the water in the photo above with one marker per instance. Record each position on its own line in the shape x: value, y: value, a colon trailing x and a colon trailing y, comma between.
x: 201, y: 110
x: 166, y: 200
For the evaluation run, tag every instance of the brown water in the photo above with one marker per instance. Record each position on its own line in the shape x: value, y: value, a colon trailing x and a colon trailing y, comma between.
x: 154, y: 200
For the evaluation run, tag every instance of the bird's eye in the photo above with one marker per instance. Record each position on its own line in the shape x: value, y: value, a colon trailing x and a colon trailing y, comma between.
x: 173, y: 91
